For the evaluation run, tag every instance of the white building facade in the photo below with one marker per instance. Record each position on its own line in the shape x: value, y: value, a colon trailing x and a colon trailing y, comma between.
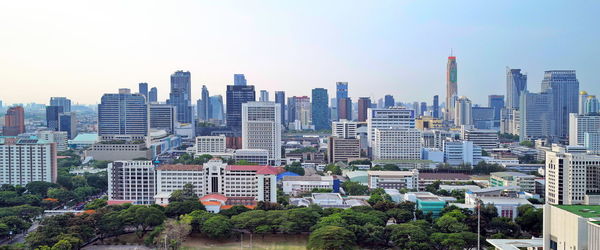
x: 261, y: 128
x: 393, y: 117
x: 26, y: 160
x: 397, y: 144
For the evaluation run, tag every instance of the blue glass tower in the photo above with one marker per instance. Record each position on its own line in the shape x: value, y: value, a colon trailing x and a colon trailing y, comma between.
x: 320, y: 109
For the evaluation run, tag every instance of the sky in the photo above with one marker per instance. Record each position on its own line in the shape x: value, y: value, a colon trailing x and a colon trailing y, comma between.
x: 82, y: 49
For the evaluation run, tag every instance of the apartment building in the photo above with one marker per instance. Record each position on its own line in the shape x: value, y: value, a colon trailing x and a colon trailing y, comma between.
x: 26, y: 160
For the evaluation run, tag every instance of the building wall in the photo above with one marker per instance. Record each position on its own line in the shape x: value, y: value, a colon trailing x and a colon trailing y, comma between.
x: 24, y: 163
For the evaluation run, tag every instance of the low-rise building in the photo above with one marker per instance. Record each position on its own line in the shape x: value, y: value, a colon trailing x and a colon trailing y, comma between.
x: 394, y: 179
x: 426, y: 202
x: 58, y: 137
x: 426, y: 179
x: 305, y: 184
x: 525, y: 181
x: 254, y: 156
x: 461, y: 152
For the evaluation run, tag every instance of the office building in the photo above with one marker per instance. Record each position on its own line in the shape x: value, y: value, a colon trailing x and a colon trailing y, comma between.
x: 422, y: 108
x: 341, y: 92
x: 320, y: 109
x: 393, y: 179
x: 280, y: 99
x: 211, y: 145
x: 428, y: 122
x: 27, y: 160
x: 583, y: 95
x: 203, y: 105
x: 261, y: 128
x: 59, y: 137
x: 397, y: 144
x: 536, y: 116
x: 483, y: 117
x: 526, y: 182
x: 416, y: 108
x: 170, y: 178
x: 572, y: 176
x: 68, y: 122
x: 516, y: 82
x: 344, y: 129
x: 435, y: 109
x: 239, y: 80
x: 63, y: 102
x: 52, y: 113
x: 163, y: 117
x: 451, y: 86
x: 564, y: 86
x: 132, y: 181
x: 253, y: 156
x: 581, y: 124
x: 394, y: 117
x: 14, y: 121
x: 300, y: 106
x: 591, y: 141
x: 237, y: 94
x: 497, y: 103
x: 388, y: 101
x: 592, y: 106
x: 153, y: 95
x: 181, y: 95
x: 484, y: 138
x: 264, y: 96
x: 461, y: 152
x: 571, y: 227
x: 344, y: 109
x: 216, y: 108
x: 364, y: 103
x: 143, y: 89
x: 463, y: 112
x: 342, y: 149
x: 123, y: 116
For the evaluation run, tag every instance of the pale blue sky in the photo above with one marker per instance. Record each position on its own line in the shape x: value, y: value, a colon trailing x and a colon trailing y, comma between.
x: 81, y: 49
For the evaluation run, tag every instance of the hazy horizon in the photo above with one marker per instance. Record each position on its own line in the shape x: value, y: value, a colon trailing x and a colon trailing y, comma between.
x: 84, y: 49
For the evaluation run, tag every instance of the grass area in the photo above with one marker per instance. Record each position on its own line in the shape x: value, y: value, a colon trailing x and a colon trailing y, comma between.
x: 586, y: 211
x: 269, y: 242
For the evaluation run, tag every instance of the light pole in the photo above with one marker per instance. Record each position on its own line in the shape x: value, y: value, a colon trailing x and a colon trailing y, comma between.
x: 478, y: 224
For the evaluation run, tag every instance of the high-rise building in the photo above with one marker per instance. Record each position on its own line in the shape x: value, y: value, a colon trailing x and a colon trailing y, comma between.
x: 484, y: 138
x: 496, y: 102
x: 341, y: 93
x: 27, y: 160
x: 342, y: 149
x: 123, y: 116
x: 536, y: 116
x: 264, y: 96
x: 153, y: 95
x: 52, y: 113
x: 320, y: 109
x: 67, y: 122
x: 344, y: 129
x: 261, y: 128
x: 344, y: 108
x: 133, y: 181
x: 565, y: 91
x: 436, y: 107
x: 58, y: 137
x: 364, y: 103
x: 483, y: 117
x: 63, y: 102
x: 394, y: 117
x: 571, y: 175
x: 302, y: 112
x: 212, y: 145
x: 389, y: 101
x: 592, y: 106
x: 280, y: 99
x: 582, y: 100
x: 143, y: 89
x: 451, y: 86
x: 203, y: 105
x: 14, y: 121
x: 236, y: 96
x: 239, y: 80
x: 423, y: 108
x: 461, y: 152
x: 163, y: 116
x: 216, y: 105
x: 516, y: 82
x: 397, y: 144
x: 463, y: 112
x: 579, y: 125
x: 181, y: 95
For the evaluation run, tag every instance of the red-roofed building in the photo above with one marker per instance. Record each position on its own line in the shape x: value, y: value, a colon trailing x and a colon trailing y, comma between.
x: 118, y: 202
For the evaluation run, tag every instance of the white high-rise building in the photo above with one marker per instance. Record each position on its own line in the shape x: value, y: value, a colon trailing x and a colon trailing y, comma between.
x: 581, y: 124
x: 26, y: 160
x: 344, y: 129
x: 212, y: 145
x: 261, y: 128
x: 485, y: 138
x: 59, y: 137
x: 132, y: 181
x: 463, y: 112
x: 461, y: 152
x: 397, y: 144
x: 572, y: 176
x: 393, y: 117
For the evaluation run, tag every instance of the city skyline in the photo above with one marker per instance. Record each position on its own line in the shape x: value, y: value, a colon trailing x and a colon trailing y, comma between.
x: 102, y: 55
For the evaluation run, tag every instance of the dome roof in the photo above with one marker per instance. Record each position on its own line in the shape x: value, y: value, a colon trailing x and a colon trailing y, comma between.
x: 583, y: 92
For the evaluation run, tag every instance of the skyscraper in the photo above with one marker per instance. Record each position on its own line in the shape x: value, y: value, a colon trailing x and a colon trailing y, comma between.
x: 592, y: 106
x: 565, y: 90
x: 536, y: 116
x: 496, y: 102
x: 463, y: 112
x: 582, y: 99
x: 67, y: 122
x: 341, y: 93
x: 320, y: 109
x: 236, y: 96
x: 216, y: 105
x: 393, y: 118
x: 123, y: 116
x: 302, y: 112
x: 423, y: 108
x: 364, y: 103
x: 63, y: 102
x: 143, y: 89
x: 203, y: 105
x: 451, y: 86
x: 52, y: 113
x: 239, y: 79
x: 14, y: 121
x: 516, y: 82
x: 389, y: 101
x: 153, y: 95
x: 280, y: 99
x: 436, y: 107
x: 261, y: 128
x: 264, y: 96
x: 181, y: 95
x: 162, y: 116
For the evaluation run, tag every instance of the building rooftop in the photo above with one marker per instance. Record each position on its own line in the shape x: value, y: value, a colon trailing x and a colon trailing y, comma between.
x: 306, y: 178
x: 391, y: 173
x: 504, y: 200
x: 179, y: 167
x: 510, y: 174
x: 444, y: 176
x: 258, y: 168
x: 516, y: 244
x: 586, y: 211
x: 85, y: 137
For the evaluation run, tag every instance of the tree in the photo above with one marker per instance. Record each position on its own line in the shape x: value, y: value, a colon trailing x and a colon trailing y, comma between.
x: 217, y: 227
x: 334, y: 169
x: 15, y: 224
x: 332, y: 237
x: 187, y: 193
x: 81, y: 193
x: 177, y: 208
x: 300, y: 220
x: 369, y: 235
x: 95, y: 204
x: 295, y: 167
x: 60, y: 194
x: 235, y: 210
x: 142, y: 218
x: 528, y: 144
x: 40, y: 187
x: 449, y: 224
x: 78, y: 181
x: 391, y: 167
x: 400, y: 215
x: 452, y: 241
x: 173, y: 232
x: 530, y: 219
x: 62, y: 245
x: 354, y: 188
x: 110, y: 224
x: 408, y: 236
x: 196, y: 219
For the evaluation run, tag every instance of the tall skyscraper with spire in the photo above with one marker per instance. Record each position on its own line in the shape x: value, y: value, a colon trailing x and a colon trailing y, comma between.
x: 451, y: 87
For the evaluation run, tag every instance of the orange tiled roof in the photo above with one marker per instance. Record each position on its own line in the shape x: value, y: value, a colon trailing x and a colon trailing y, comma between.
x: 211, y: 203
x: 179, y: 167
